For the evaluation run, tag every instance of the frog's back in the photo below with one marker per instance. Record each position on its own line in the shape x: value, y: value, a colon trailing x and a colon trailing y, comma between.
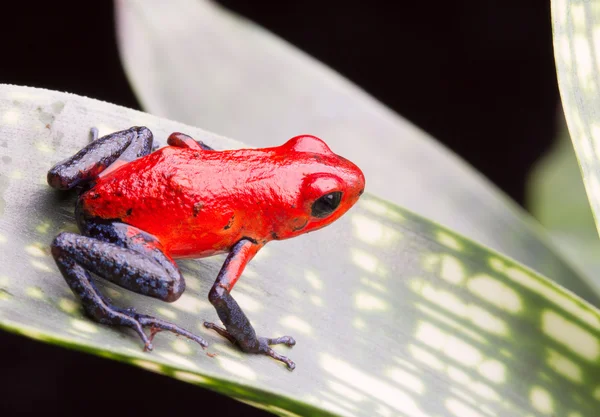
x: 182, y: 196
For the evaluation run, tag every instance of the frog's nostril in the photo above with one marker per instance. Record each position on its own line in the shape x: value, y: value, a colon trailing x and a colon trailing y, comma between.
x: 361, y: 192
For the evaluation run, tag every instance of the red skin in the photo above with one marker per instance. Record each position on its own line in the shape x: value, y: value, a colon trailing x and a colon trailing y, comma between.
x: 202, y: 202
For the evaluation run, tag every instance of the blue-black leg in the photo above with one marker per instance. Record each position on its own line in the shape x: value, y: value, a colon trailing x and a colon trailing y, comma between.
x: 238, y: 329
x: 114, y: 149
x: 128, y: 257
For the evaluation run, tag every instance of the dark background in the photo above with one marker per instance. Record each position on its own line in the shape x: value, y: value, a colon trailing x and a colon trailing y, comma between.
x: 476, y: 74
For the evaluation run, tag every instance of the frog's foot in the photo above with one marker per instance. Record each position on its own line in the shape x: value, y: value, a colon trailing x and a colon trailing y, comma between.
x: 96, y: 309
x: 158, y: 325
x: 259, y: 345
x: 107, y: 314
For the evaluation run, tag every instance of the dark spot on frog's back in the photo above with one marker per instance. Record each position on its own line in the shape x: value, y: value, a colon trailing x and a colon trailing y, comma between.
x: 129, y: 211
x: 197, y: 208
x: 229, y: 223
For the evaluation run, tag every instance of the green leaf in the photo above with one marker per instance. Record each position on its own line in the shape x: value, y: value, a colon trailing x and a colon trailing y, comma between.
x: 557, y: 198
x: 198, y: 63
x: 576, y: 46
x: 393, y: 314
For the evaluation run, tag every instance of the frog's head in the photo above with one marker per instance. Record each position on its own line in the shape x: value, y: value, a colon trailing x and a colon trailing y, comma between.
x: 330, y: 186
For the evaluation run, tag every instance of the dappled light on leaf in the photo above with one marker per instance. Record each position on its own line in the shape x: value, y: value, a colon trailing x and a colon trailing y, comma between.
x: 493, y: 370
x: 564, y: 366
x: 368, y: 262
x: 452, y: 323
x: 296, y: 324
x: 84, y: 326
x: 495, y: 292
x: 451, y: 268
x: 541, y: 400
x: 447, y: 240
x: 575, y: 337
x: 373, y: 232
x: 377, y: 388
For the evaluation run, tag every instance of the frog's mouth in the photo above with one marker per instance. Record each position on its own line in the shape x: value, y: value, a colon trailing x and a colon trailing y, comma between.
x: 302, y: 226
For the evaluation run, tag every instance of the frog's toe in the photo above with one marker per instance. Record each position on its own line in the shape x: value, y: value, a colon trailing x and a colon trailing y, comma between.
x: 288, y: 362
x: 130, y: 318
x: 158, y: 325
x: 221, y: 331
x: 106, y: 314
x: 283, y: 340
x: 148, y: 347
x: 263, y: 347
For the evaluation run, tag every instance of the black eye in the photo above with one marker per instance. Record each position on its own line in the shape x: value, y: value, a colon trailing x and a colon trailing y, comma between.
x: 326, y: 204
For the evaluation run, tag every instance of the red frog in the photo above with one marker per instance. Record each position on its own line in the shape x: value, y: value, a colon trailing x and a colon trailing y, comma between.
x: 139, y: 210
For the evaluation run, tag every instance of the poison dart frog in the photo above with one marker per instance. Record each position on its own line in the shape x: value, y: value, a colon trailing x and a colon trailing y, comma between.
x: 140, y: 209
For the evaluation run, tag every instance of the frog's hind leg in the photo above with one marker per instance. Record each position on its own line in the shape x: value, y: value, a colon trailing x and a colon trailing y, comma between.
x: 128, y: 257
x: 100, y: 157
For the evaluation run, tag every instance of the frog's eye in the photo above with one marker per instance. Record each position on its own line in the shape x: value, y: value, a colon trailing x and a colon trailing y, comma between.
x: 326, y: 204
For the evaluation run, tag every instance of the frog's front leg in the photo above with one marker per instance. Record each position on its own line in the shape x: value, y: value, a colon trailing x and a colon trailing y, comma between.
x: 128, y: 257
x: 238, y: 329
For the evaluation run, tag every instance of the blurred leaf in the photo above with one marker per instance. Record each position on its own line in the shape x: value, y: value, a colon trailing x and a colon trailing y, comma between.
x: 196, y: 62
x: 393, y: 314
x: 576, y: 44
x: 557, y: 198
